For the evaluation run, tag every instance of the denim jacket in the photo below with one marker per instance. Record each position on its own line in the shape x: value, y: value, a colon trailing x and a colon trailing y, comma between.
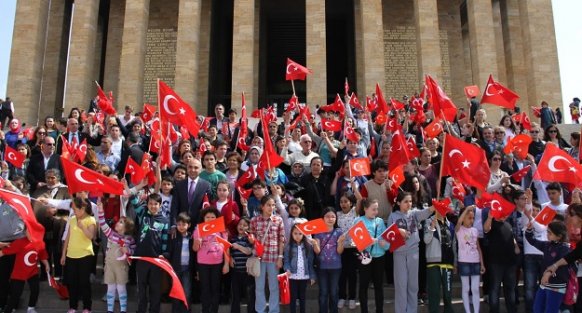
x: 290, y: 258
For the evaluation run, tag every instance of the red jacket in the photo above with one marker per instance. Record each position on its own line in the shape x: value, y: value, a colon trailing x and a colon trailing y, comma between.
x: 26, y: 263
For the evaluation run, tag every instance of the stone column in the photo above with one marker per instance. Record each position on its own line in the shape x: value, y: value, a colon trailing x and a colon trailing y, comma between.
x: 371, y: 55
x: 483, y: 48
x: 203, y: 57
x: 113, y: 50
x: 188, y: 42
x: 316, y: 50
x: 243, y: 53
x: 428, y: 39
x: 28, y: 43
x: 514, y: 51
x: 80, y: 86
x: 133, y: 50
x: 541, y: 53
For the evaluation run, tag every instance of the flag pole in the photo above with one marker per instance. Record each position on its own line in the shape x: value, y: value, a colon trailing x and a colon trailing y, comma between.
x: 441, y: 167
x: 240, y: 129
x: 293, y: 86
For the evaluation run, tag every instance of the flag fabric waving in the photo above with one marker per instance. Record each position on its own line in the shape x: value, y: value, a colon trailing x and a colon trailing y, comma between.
x: 441, y: 103
x: 497, y: 94
x: 135, y: 171
x: 458, y: 191
x: 500, y: 207
x: 80, y: 178
x: 472, y: 91
x: 434, y: 128
x: 557, y: 166
x: 397, y: 176
x: 211, y: 227
x: 316, y: 226
x: 175, y: 110
x: 360, y: 236
x: 465, y: 162
x: 518, y: 145
x: 14, y: 157
x: 270, y: 159
x: 442, y: 206
x: 393, y: 236
x: 177, y: 291
x: 295, y: 71
x: 359, y: 167
x: 105, y: 103
x: 519, y: 175
x: 398, y: 151
x: 328, y: 124
x: 21, y: 204
x: 382, y: 104
x: 545, y: 216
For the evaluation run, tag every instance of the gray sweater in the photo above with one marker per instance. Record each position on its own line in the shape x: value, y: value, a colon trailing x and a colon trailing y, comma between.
x: 411, y: 223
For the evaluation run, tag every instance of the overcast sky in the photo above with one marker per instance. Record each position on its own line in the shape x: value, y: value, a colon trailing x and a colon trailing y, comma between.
x: 566, y: 18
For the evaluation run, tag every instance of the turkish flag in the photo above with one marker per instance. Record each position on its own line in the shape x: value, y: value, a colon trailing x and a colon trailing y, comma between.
x: 211, y: 227
x: 393, y: 236
x: 458, y: 191
x: 14, y: 157
x: 417, y: 104
x: 472, y: 91
x: 205, y: 201
x: 518, y: 145
x: 360, y: 236
x: 519, y: 175
x: 165, y: 152
x: 295, y: 71
x: 441, y: 103
x: 329, y: 124
x: 484, y: 201
x: 396, y: 105
x: 442, y: 206
x: 500, y: 207
x: 434, y: 128
x: 336, y: 106
x: 177, y: 291
x: 373, y: 148
x: 135, y: 171
x: 418, y: 117
x: 546, y: 216
x: 21, y: 204
x: 148, y: 112
x: 557, y: 166
x: 522, y: 119
x: 155, y: 142
x: 346, y: 87
x: 465, y: 162
x: 105, y: 103
x: 61, y: 289
x: 496, y: 93
x: 381, y: 119
x: 316, y: 226
x: 175, y: 110
x: 80, y: 178
x: 81, y: 151
x: 382, y: 104
x: 397, y: 176
x: 392, y: 124
x: 350, y: 134
x: 270, y: 159
x: 244, y: 122
x: 398, y: 151
x: 537, y: 111
x: 359, y: 167
x: 355, y: 103
x: 284, y: 289
x: 225, y: 243
x: 371, y: 104
x: 244, y: 193
x: 247, y: 177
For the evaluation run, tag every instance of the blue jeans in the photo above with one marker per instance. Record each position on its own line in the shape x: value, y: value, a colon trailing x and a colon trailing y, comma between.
x: 548, y: 301
x: 532, y: 270
x: 328, y: 280
x: 499, y: 273
x: 268, y: 271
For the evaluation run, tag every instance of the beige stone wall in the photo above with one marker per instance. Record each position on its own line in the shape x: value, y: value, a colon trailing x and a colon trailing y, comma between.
x: 451, y: 43
x: 370, y: 45
x: 315, y: 38
x: 187, y: 49
x: 204, y: 58
x: 243, y: 54
x: 113, y: 49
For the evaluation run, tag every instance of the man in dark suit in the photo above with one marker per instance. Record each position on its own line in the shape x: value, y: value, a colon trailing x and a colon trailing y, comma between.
x: 39, y: 163
x: 132, y: 150
x: 188, y: 194
x: 74, y: 135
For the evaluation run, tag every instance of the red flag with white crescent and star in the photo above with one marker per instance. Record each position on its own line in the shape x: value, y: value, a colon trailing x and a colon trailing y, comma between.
x: 295, y: 71
x: 355, y: 103
x: 557, y: 166
x: 244, y: 122
x: 316, y: 226
x: 397, y: 176
x: 177, y: 291
x: 518, y: 145
x: 14, y: 157
x: 205, y: 201
x: 396, y: 105
x: 472, y: 91
x: 284, y: 289
x: 21, y: 204
x: 80, y: 178
x: 211, y: 227
x: 329, y: 124
x: 244, y: 193
x: 360, y: 236
x: 105, y: 103
x: 175, y: 110
x: 458, y: 191
x: 270, y: 159
x: 497, y: 94
x: 442, y: 206
x: 371, y: 104
x: 247, y: 177
x: 441, y: 103
x: 519, y: 175
x: 500, y: 207
x: 350, y: 134
x: 382, y: 104
x: 135, y: 171
x: 413, y: 151
x: 434, y: 128
x: 359, y: 167
x: 398, y: 151
x: 148, y: 112
x: 465, y: 162
x: 545, y: 216
x: 393, y: 236
x: 81, y: 151
x: 522, y: 119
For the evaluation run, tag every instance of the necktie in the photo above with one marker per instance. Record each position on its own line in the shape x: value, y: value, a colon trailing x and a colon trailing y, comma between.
x: 74, y: 140
x: 191, y: 192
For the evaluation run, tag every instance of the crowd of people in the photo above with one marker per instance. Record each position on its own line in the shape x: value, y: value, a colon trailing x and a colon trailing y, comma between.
x: 159, y: 216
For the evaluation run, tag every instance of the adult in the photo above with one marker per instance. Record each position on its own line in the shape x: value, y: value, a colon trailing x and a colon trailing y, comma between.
x: 537, y: 146
x: 6, y: 111
x: 133, y: 150
x: 116, y: 139
x: 575, y: 110
x: 37, y: 138
x: 51, y: 127
x: 304, y: 156
x: 498, y: 177
x: 39, y: 163
x: 219, y: 117
x: 547, y: 117
x: 487, y: 141
x: 75, y: 137
x: 552, y: 134
x: 188, y: 193
x: 316, y: 192
x: 127, y: 116
x: 106, y: 156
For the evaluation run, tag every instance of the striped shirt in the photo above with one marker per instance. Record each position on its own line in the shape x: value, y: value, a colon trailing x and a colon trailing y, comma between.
x: 114, y: 237
x: 275, y: 236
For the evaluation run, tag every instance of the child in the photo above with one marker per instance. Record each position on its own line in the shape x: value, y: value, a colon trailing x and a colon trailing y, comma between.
x: 373, y: 271
x: 294, y: 213
x: 152, y: 242
x: 25, y: 270
x: 166, y: 193
x: 269, y: 231
x: 254, y: 201
x: 78, y: 254
x: 406, y: 257
x: 470, y: 259
x: 348, y: 277
x: 182, y: 259
x: 240, y: 251
x: 120, y: 245
x: 210, y: 257
x: 549, y: 297
x: 298, y: 264
x: 227, y: 207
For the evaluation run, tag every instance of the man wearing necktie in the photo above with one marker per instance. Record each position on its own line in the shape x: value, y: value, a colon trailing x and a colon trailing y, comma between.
x: 188, y: 195
x: 76, y: 137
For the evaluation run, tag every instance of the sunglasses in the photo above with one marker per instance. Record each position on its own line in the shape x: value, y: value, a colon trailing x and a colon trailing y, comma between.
x: 499, y: 133
x: 552, y: 131
x: 49, y: 144
x: 496, y: 159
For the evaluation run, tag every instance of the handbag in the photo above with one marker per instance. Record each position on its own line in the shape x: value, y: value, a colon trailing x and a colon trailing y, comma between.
x: 254, y: 262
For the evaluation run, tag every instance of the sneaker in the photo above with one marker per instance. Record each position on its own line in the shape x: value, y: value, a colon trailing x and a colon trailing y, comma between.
x: 340, y: 303
x: 352, y: 304
x: 31, y: 310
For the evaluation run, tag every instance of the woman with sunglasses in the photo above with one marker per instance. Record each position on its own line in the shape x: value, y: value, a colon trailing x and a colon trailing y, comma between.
x: 552, y: 134
x: 37, y: 139
x: 498, y: 177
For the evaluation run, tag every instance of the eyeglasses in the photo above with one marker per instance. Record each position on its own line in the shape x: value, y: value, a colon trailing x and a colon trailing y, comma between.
x: 552, y: 131
x: 41, y: 133
x: 496, y: 159
x: 51, y: 177
x: 534, y: 131
x: 499, y: 133
x: 49, y: 144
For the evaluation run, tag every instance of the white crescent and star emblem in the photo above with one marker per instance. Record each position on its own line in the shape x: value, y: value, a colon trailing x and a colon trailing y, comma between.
x: 391, y: 235
x: 291, y: 65
x: 395, y: 177
x: 167, y: 99
x: 83, y: 148
x: 309, y: 228
x: 487, y: 93
x: 328, y: 124
x: 27, y: 259
x: 358, y: 167
x: 552, y: 164
x: 206, y: 229
x: 20, y: 203
x: 457, y: 151
x: 12, y: 156
x: 544, y: 217
x: 496, y: 206
x: 79, y: 176
x: 356, y: 232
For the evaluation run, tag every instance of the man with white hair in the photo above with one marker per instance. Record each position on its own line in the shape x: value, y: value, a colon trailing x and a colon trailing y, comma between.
x: 304, y: 156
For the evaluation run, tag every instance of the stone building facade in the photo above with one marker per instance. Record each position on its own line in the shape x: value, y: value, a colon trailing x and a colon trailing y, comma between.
x: 212, y: 50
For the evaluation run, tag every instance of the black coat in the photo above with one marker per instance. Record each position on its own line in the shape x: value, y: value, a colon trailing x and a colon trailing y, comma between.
x: 36, y: 170
x: 180, y: 200
x: 175, y: 253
